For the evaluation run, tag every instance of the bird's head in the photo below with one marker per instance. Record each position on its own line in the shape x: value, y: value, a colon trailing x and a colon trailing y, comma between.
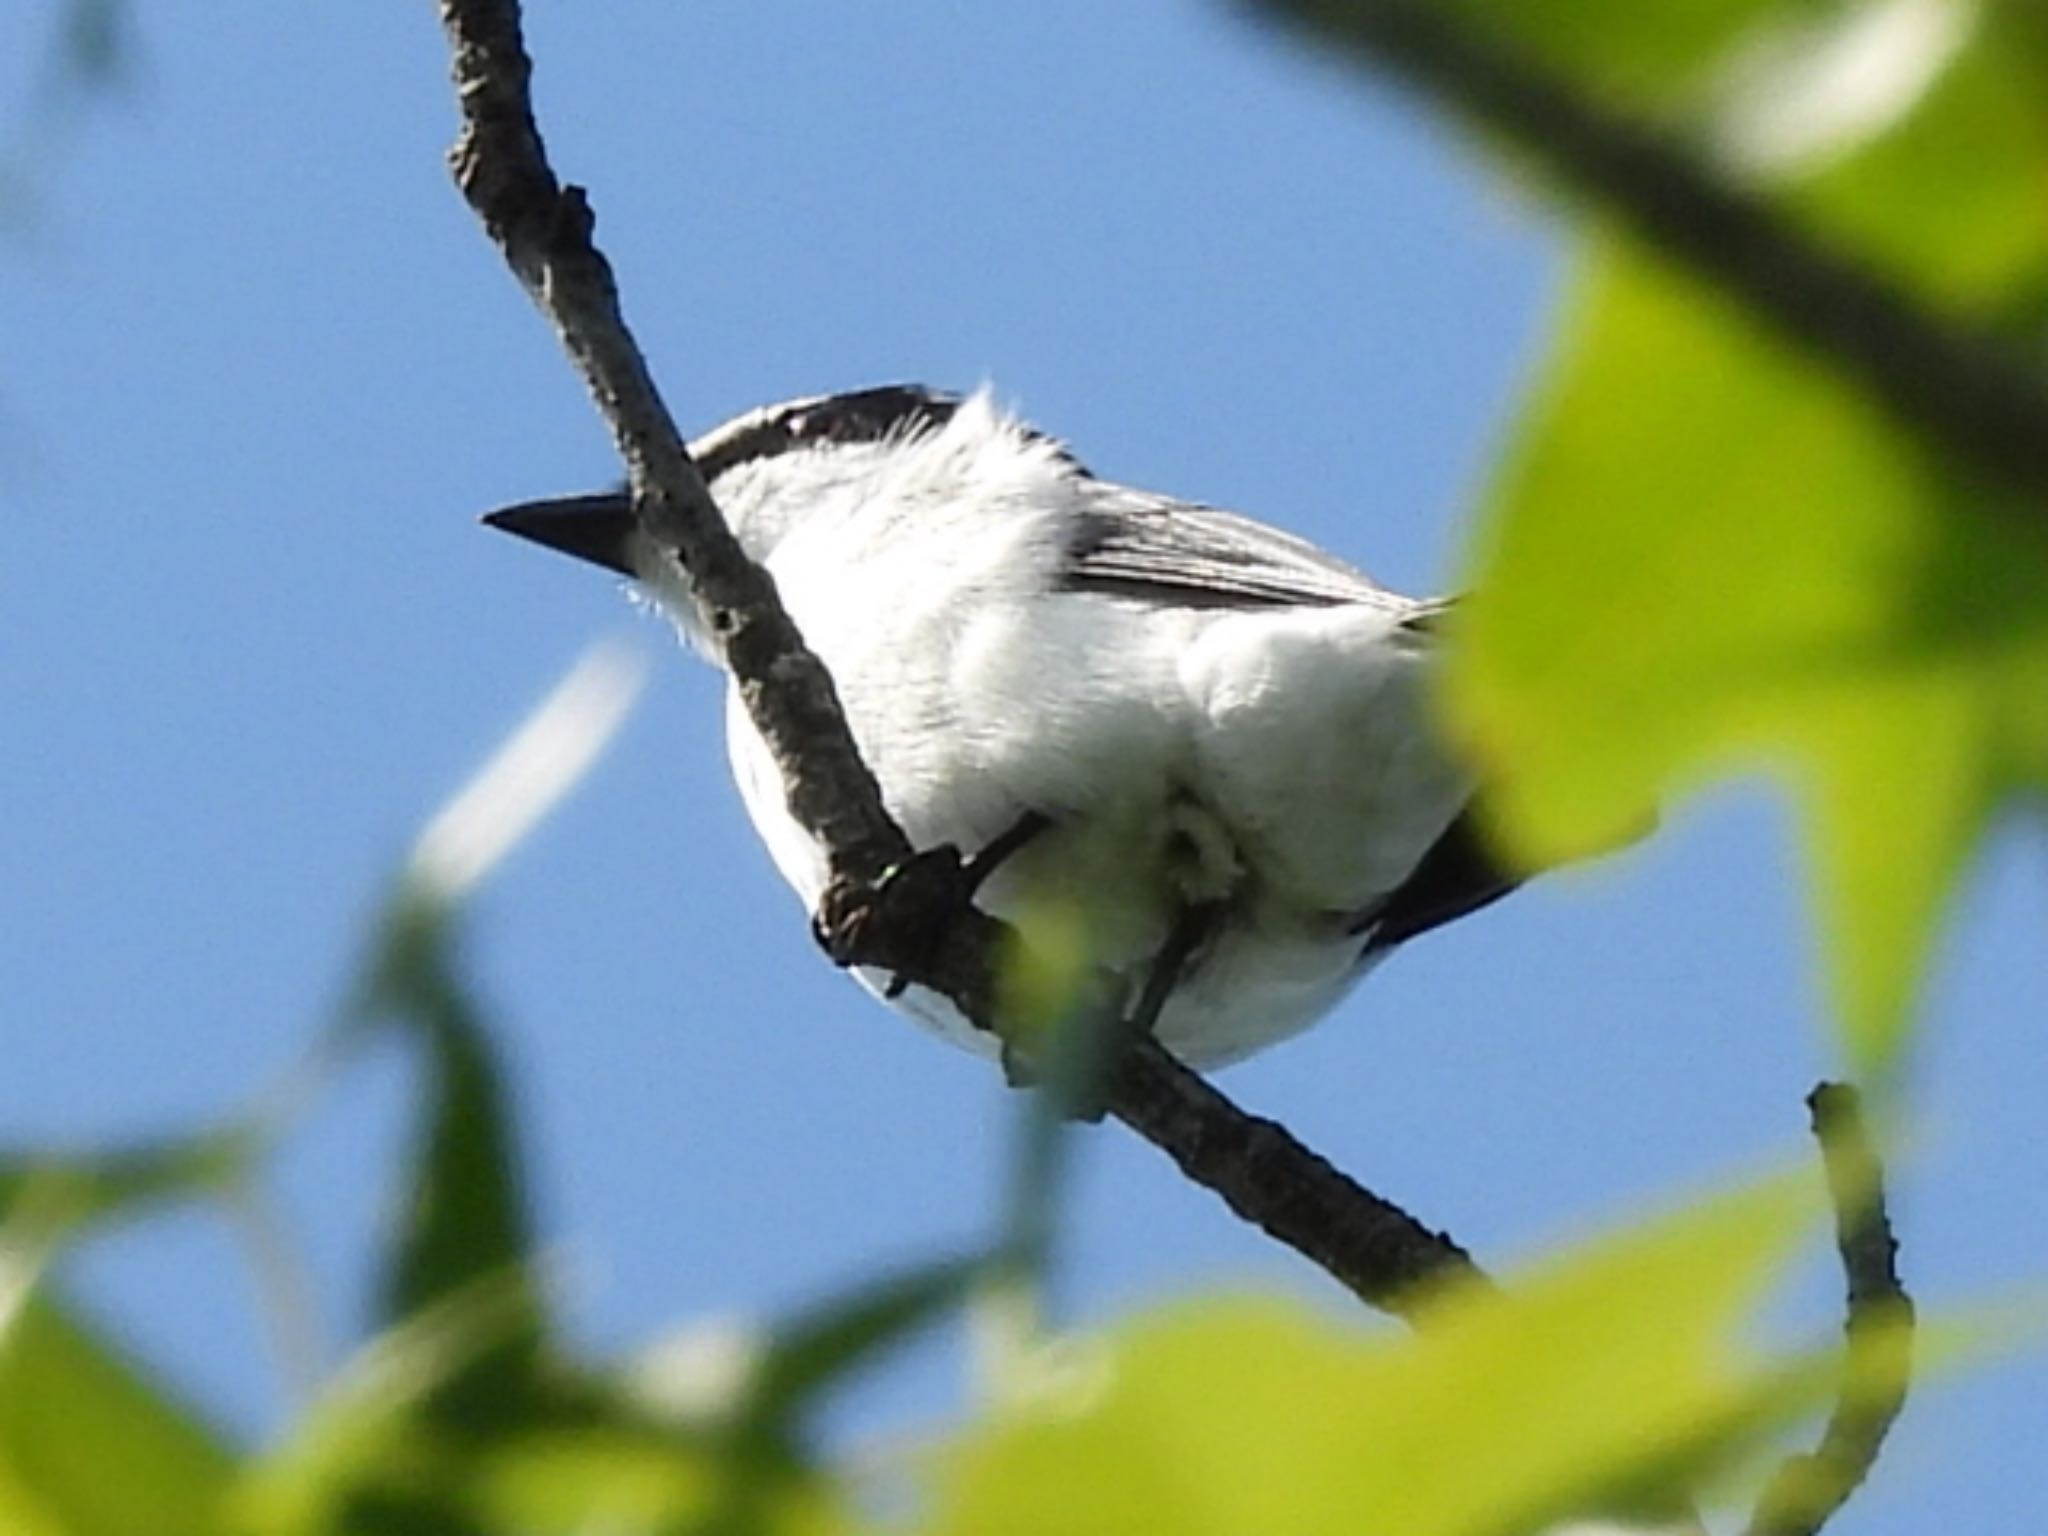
x: 772, y: 467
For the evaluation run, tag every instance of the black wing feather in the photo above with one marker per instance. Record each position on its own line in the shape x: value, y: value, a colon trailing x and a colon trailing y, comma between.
x: 1459, y: 875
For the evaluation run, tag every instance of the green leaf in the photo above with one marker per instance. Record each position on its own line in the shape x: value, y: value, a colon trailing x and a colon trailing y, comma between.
x: 57, y: 1194
x: 1949, y: 198
x: 832, y: 1341
x: 1652, y: 51
x: 380, y: 1454
x: 379, y: 1450
x: 753, y: 1395
x: 461, y: 1227
x: 1607, y: 1379
x: 1705, y: 554
x: 1654, y: 55
x: 578, y: 1479
x: 89, y: 1444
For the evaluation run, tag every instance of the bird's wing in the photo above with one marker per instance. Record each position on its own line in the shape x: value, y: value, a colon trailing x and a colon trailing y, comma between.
x: 1153, y: 549
x: 1169, y: 553
x: 1458, y: 875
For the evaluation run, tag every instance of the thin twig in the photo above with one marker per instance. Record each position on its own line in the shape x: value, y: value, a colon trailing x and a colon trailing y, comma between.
x: 890, y: 907
x: 1807, y: 1489
x: 1958, y: 389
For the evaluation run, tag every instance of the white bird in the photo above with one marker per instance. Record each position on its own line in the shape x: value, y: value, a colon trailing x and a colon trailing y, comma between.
x: 1201, y: 742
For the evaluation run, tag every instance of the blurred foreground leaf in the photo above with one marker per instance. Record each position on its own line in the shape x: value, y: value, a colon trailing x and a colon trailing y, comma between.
x: 752, y: 1397
x: 89, y: 1446
x: 461, y: 1231
x: 1648, y: 52
x: 374, y: 1458
x: 1949, y: 198
x: 564, y: 1450
x: 1605, y: 1380
x: 825, y: 1345
x: 1707, y: 554
x: 47, y: 1196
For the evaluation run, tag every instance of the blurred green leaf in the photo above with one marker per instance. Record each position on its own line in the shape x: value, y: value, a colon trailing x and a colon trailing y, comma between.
x: 1704, y: 554
x: 1770, y: 87
x: 824, y: 1346
x: 1949, y: 197
x: 1909, y: 134
x: 378, y: 1446
x: 1062, y: 1024
x: 55, y: 1194
x: 1606, y: 1379
x: 1655, y: 53
x: 463, y: 1222
x: 569, y: 1455
x: 89, y: 1444
x: 461, y: 1227
x: 581, y: 1480
x: 753, y: 1395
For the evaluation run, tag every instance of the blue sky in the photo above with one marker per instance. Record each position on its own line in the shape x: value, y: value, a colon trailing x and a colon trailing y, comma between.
x: 259, y: 372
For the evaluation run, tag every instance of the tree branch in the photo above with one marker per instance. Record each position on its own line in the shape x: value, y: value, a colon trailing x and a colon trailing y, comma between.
x: 1961, y: 391
x: 888, y: 906
x: 1807, y: 1489
x: 1257, y: 1167
x: 544, y: 229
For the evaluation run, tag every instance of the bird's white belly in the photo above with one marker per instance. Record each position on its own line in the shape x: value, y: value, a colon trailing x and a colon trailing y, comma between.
x: 1248, y: 991
x: 1276, y: 762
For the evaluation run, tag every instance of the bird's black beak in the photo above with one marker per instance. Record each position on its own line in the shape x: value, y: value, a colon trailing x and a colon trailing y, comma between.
x: 594, y: 528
